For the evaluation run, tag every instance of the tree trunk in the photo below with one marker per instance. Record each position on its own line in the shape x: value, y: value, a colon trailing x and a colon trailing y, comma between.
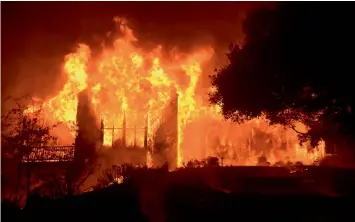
x: 28, y: 180
x: 69, y: 180
x: 19, y: 171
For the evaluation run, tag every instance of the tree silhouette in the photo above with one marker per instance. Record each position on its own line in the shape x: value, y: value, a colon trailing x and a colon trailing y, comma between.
x: 22, y: 129
x: 162, y: 142
x: 295, y: 65
x: 87, y: 140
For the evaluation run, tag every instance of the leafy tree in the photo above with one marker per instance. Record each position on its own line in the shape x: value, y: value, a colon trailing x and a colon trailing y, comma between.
x: 295, y: 65
x: 22, y: 129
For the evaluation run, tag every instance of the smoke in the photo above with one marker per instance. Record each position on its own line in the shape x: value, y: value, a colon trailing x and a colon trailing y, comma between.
x: 35, y: 41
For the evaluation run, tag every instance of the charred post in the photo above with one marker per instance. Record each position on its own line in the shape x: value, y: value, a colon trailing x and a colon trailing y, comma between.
x: 124, y: 130
x: 102, y: 133
x: 146, y: 134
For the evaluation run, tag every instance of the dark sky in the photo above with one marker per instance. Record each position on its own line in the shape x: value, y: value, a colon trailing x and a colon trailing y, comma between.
x: 35, y: 36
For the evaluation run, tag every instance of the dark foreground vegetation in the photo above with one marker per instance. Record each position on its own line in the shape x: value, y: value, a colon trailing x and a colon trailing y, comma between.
x: 205, y: 194
x: 296, y: 62
x: 294, y: 65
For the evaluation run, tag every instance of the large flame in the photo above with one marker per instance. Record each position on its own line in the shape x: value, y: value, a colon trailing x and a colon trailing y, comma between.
x: 126, y: 80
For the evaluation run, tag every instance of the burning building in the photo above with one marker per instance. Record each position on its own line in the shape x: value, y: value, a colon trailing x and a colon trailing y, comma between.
x: 131, y: 89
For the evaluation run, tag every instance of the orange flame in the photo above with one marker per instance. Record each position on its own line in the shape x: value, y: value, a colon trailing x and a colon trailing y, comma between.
x: 126, y: 79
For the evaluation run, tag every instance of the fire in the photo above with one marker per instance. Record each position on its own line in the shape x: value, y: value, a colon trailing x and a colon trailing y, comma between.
x: 126, y: 80
x: 63, y: 107
x: 187, y: 103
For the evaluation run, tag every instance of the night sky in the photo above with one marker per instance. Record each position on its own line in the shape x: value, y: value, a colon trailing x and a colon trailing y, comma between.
x: 35, y: 36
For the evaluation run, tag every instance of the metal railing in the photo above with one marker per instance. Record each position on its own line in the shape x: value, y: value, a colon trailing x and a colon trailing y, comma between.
x: 50, y: 154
